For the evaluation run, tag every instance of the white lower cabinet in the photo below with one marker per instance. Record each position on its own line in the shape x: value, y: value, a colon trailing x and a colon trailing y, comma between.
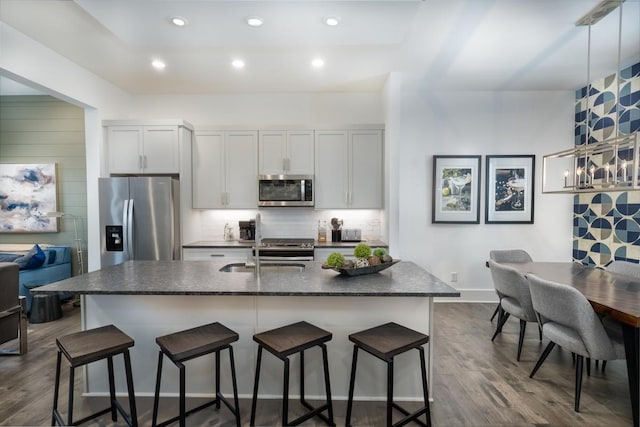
x: 321, y: 254
x: 208, y: 254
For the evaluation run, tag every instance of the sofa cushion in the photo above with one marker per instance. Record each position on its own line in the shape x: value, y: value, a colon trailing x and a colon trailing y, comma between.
x: 9, y: 257
x: 33, y: 259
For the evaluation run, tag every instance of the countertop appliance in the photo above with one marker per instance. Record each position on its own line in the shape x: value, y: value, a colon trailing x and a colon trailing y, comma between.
x: 285, y: 190
x: 351, y: 235
x: 139, y: 219
x: 289, y: 249
x: 247, y: 229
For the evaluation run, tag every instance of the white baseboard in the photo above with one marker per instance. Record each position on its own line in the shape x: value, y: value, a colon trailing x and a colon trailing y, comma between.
x: 472, y: 295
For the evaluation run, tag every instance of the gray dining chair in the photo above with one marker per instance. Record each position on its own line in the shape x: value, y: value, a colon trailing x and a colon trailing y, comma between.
x: 624, y: 267
x: 515, y: 299
x: 569, y: 321
x: 511, y: 256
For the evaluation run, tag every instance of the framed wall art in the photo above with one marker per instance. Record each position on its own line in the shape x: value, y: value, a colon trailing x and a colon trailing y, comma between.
x: 510, y: 189
x: 456, y: 190
x: 27, y: 194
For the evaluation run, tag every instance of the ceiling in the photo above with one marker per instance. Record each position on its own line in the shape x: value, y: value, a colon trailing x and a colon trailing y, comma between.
x: 438, y: 44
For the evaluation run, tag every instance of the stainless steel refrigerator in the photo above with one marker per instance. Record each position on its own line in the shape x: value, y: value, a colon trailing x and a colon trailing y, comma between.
x: 139, y: 219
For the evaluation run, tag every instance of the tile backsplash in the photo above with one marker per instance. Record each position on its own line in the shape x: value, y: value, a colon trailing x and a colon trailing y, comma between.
x: 290, y: 222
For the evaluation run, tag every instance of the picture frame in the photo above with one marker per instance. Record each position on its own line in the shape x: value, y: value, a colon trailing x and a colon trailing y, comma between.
x: 510, y: 189
x: 456, y: 190
x: 27, y: 193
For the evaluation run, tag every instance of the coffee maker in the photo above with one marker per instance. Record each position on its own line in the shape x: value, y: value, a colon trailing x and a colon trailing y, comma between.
x: 247, y: 229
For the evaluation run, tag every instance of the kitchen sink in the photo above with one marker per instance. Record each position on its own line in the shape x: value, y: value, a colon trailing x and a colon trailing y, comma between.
x: 275, y: 267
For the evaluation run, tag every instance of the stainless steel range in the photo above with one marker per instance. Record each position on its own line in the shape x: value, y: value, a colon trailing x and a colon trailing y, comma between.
x: 291, y: 249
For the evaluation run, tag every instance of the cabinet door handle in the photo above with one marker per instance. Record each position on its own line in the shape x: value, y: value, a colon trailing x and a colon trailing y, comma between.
x: 216, y: 255
x: 286, y: 162
x: 140, y: 162
x: 144, y: 162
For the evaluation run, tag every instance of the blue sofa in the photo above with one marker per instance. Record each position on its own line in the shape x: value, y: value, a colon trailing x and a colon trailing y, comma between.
x: 56, y: 266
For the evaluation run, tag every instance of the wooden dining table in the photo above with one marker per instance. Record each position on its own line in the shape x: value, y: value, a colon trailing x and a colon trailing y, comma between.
x: 611, y: 294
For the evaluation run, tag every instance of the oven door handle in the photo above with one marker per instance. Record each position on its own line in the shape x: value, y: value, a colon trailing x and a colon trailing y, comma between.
x: 286, y: 258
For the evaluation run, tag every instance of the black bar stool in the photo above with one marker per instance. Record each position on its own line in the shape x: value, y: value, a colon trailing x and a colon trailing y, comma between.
x: 283, y: 342
x: 385, y: 342
x: 189, y: 344
x: 84, y: 347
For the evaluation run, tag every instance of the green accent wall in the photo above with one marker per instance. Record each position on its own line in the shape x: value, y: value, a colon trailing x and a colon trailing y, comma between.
x: 43, y: 129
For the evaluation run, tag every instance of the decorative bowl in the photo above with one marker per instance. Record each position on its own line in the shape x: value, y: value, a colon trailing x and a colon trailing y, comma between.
x: 362, y: 270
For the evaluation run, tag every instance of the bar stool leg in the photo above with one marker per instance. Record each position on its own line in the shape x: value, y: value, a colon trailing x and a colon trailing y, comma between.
x: 255, y: 388
x: 302, y: 377
x: 56, y: 391
x: 70, y: 404
x: 352, y: 381
x: 390, y: 392
x: 425, y: 387
x: 183, y: 390
x: 285, y: 393
x: 133, y: 413
x: 327, y: 383
x: 217, y: 367
x: 112, y: 389
x: 235, y: 387
x: 156, y: 397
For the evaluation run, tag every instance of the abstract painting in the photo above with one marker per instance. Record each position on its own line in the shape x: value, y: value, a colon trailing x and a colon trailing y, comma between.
x: 27, y: 194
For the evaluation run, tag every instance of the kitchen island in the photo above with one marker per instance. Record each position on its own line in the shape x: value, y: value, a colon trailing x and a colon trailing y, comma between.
x: 147, y: 299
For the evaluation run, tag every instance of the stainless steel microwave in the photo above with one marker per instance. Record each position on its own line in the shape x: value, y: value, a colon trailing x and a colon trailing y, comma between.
x: 285, y: 190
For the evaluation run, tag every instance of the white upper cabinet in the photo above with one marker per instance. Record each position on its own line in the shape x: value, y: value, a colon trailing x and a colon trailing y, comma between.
x: 286, y: 152
x: 143, y: 149
x: 225, y: 169
x: 349, y: 169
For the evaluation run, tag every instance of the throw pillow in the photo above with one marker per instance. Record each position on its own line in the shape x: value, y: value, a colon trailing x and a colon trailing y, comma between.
x: 33, y: 259
x: 9, y: 257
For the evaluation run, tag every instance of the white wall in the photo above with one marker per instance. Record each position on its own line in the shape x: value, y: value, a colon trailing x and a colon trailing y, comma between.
x: 476, y: 123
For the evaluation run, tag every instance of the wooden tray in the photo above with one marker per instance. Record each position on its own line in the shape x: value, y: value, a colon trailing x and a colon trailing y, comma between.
x: 362, y: 270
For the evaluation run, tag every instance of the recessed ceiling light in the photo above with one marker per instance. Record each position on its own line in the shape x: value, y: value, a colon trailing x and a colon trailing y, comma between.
x: 332, y: 21
x: 254, y: 21
x: 317, y: 62
x: 179, y: 21
x: 237, y: 63
x: 158, y: 64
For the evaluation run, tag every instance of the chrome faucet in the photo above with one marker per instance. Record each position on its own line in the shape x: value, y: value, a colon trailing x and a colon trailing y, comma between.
x: 258, y: 241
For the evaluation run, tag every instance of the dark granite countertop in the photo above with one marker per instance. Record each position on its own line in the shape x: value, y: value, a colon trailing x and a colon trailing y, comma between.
x: 212, y: 244
x: 404, y: 279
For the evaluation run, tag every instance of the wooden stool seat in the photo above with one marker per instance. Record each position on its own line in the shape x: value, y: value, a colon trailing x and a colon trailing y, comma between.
x: 89, y: 346
x: 283, y: 342
x: 190, y: 344
x: 385, y: 342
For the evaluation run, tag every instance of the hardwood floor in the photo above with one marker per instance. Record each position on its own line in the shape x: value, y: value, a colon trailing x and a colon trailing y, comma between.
x: 476, y: 382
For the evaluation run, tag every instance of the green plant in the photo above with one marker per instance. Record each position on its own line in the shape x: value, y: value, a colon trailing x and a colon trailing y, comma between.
x: 335, y: 259
x: 362, y: 250
x: 380, y: 252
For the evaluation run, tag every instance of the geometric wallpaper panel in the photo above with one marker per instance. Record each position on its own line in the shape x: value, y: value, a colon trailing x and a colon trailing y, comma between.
x: 606, y: 226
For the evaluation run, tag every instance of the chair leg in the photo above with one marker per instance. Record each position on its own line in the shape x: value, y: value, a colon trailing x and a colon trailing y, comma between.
x: 604, y: 365
x: 352, y: 382
x: 70, y: 403
x: 217, y: 379
x: 501, y: 323
x: 589, y: 366
x: 523, y: 328
x: 542, y: 358
x: 495, y: 312
x: 183, y: 390
x: 579, y: 363
x: 255, y: 388
x: 540, y: 332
